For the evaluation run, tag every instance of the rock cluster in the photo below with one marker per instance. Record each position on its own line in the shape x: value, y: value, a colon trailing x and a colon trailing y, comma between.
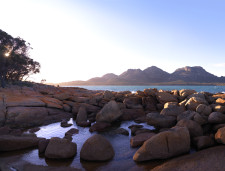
x: 182, y: 119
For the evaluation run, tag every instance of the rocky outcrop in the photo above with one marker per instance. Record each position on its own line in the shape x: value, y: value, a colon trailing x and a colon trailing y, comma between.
x: 164, y: 145
x: 161, y: 121
x: 11, y: 143
x: 109, y: 113
x: 194, y: 128
x: 60, y: 149
x: 208, y: 159
x: 139, y: 139
x: 97, y: 148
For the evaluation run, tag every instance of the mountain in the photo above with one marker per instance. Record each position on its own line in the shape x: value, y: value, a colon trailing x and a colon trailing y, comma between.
x: 154, y: 76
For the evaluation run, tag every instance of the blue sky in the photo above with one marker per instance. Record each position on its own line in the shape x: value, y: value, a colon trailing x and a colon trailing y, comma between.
x: 80, y: 39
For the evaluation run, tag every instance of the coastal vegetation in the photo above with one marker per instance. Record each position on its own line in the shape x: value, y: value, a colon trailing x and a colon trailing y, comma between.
x: 15, y: 65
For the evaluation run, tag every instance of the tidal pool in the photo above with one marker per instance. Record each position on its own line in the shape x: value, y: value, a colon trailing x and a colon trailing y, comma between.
x: 123, y: 159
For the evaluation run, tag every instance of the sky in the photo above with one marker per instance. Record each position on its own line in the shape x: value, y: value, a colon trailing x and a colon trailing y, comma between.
x: 81, y: 39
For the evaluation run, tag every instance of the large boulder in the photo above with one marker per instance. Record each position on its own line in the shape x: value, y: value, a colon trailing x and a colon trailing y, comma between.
x: 131, y: 114
x: 149, y: 103
x: 52, y: 102
x: 186, y: 115
x: 97, y: 148
x: 186, y: 92
x: 60, y: 149
x: 193, y: 103
x: 164, y: 97
x: 109, y: 113
x: 161, y: 121
x: 172, y: 109
x: 218, y: 108
x: 204, y: 109
x: 100, y: 127
x: 203, y: 142
x: 82, y: 115
x: 173, y: 142
x: 139, y: 139
x: 194, y: 128
x: 216, y: 118
x: 26, y: 116
x: 220, y: 135
x: 209, y: 159
x: 11, y: 143
x: 133, y: 102
x: 15, y: 101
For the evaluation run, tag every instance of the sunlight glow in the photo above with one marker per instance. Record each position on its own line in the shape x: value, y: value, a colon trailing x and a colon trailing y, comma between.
x: 7, y: 54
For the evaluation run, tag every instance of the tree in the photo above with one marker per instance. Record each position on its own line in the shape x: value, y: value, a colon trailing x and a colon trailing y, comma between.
x: 15, y: 63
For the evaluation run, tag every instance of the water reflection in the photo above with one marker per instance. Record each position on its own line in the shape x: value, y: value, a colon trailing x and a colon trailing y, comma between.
x: 121, y: 144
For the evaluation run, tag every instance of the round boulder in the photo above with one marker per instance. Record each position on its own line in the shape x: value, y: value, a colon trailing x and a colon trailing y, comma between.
x: 60, y: 149
x: 109, y: 113
x: 97, y: 148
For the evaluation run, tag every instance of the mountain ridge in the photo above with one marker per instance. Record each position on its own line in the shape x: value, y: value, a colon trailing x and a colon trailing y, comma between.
x: 153, y: 75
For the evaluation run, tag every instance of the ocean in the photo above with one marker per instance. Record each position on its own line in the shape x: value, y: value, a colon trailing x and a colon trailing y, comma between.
x: 211, y: 89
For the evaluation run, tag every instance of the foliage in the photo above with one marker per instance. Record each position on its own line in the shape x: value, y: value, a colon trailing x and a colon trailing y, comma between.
x: 15, y: 63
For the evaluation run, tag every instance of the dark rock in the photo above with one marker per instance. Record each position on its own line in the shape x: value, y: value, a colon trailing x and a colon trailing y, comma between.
x: 133, y: 102
x: 82, y: 115
x: 131, y: 114
x: 11, y: 143
x: 216, y: 118
x: 60, y: 149
x: 97, y: 148
x: 161, y: 121
x: 65, y: 124
x: 99, y: 127
x: 203, y: 142
x: 164, y: 145
x: 109, y: 113
x: 194, y: 128
x: 208, y: 159
x: 139, y: 139
x: 72, y: 131
x: 42, y: 145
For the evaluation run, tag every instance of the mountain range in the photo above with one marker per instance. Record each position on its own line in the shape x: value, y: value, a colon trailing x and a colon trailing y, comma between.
x: 154, y: 76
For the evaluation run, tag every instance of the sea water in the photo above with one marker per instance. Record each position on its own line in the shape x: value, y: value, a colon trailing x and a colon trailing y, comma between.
x: 211, y: 89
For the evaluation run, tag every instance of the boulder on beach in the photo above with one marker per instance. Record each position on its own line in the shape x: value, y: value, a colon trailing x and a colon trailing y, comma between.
x: 164, y: 97
x: 139, y: 139
x: 97, y: 148
x: 216, y: 118
x: 82, y: 115
x: 109, y: 113
x: 209, y: 159
x: 194, y: 128
x: 11, y: 143
x: 220, y: 135
x: 60, y: 149
x: 161, y: 121
x: 173, y: 142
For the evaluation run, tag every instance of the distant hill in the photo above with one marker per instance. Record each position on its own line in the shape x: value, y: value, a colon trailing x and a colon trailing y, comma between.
x: 154, y: 76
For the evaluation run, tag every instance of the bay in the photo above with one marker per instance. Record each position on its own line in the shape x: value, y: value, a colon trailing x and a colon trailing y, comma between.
x: 211, y: 89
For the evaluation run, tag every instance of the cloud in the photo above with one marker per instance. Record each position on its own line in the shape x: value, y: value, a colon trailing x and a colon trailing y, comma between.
x: 219, y: 65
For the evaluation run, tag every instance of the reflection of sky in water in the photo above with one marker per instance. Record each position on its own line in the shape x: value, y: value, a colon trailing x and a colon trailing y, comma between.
x: 120, y: 143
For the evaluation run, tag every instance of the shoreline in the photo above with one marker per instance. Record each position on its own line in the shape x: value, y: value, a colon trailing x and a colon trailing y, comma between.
x: 195, y: 119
